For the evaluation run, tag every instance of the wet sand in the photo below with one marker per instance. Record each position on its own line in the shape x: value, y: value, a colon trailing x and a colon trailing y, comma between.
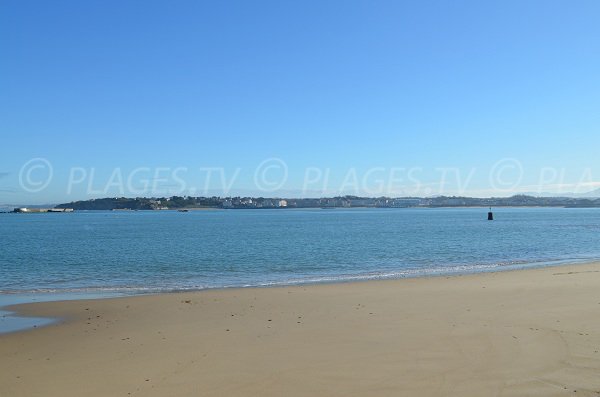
x: 518, y: 333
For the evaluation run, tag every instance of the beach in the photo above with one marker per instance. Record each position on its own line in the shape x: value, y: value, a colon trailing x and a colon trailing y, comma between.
x: 529, y: 332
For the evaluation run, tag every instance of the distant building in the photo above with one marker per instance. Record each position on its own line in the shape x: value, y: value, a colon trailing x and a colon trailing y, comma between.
x: 362, y: 202
x: 407, y: 202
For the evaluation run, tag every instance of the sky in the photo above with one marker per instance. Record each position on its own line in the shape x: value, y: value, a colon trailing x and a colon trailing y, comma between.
x: 311, y: 98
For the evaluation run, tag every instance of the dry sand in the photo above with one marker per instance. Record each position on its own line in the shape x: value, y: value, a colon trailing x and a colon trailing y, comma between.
x: 519, y: 333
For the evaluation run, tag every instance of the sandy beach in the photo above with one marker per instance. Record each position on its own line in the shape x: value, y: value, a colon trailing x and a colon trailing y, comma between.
x: 518, y: 333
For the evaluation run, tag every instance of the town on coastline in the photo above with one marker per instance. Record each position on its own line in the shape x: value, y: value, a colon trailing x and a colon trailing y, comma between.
x: 188, y: 202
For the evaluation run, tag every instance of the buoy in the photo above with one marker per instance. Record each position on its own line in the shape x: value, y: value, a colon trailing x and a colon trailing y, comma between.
x: 490, y: 215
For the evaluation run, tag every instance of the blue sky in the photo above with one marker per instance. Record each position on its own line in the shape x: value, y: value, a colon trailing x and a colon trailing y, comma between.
x: 116, y: 94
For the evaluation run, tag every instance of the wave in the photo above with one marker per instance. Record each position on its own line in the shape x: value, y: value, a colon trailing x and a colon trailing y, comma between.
x: 410, y: 272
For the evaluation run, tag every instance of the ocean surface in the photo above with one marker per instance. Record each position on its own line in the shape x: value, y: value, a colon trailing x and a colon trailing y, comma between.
x: 50, y: 256
x: 170, y: 251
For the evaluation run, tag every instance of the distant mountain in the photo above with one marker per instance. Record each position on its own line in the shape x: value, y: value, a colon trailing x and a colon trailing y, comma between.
x: 591, y: 194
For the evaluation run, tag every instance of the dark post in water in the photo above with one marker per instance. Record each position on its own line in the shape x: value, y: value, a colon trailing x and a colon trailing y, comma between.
x: 490, y: 215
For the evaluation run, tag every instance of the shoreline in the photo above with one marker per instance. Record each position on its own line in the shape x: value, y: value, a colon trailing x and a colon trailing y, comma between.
x: 527, y: 332
x: 409, y: 273
x: 17, y: 321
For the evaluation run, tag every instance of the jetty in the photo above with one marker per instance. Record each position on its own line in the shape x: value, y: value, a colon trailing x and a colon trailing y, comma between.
x: 24, y: 210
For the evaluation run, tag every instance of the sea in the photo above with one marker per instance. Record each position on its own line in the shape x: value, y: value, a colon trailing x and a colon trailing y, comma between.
x: 90, y: 254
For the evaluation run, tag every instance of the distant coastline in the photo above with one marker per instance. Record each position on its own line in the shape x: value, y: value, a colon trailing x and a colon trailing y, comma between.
x: 188, y: 202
